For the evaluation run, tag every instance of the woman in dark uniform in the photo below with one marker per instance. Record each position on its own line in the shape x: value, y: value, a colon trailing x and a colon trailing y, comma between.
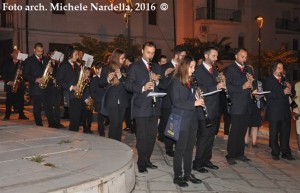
x: 184, y: 103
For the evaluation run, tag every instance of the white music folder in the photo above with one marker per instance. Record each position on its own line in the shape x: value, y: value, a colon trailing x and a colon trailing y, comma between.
x: 56, y: 56
x: 262, y: 93
x: 89, y: 59
x: 156, y: 94
x: 211, y: 93
x: 22, y: 56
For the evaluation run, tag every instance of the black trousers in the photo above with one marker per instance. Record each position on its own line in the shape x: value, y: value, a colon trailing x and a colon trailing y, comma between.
x: 226, y: 117
x: 74, y: 111
x: 40, y: 101
x: 14, y: 99
x: 87, y: 117
x: 236, y: 139
x: 116, y: 117
x: 100, y: 120
x: 184, y: 149
x: 56, y: 101
x: 280, y: 130
x: 169, y: 143
x: 205, y: 141
x: 146, y: 131
x: 128, y: 121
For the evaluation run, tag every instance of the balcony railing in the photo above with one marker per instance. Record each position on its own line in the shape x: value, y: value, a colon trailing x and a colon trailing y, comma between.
x: 286, y: 24
x: 218, y: 14
x: 6, y: 18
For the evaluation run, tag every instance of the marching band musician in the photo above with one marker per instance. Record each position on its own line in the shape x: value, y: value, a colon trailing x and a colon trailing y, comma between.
x: 140, y: 82
x: 34, y: 68
x: 116, y: 96
x: 184, y: 103
x: 87, y: 106
x: 208, y: 80
x: 12, y: 69
x: 239, y: 86
x: 278, y: 112
x: 97, y: 93
x: 166, y: 106
x: 67, y: 77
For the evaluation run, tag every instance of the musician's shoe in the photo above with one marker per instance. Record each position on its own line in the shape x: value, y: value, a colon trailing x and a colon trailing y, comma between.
x: 287, y: 157
x: 180, y: 181
x: 243, y: 159
x: 210, y: 166
x: 192, y: 179
x: 6, y: 118
x: 151, y: 166
x: 275, y: 157
x: 200, y: 169
x: 23, y: 117
x: 88, y: 132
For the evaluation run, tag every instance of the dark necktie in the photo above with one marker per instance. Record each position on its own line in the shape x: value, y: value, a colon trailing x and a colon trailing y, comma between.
x: 242, y: 69
x: 40, y: 60
x: 148, y: 67
x: 279, y: 80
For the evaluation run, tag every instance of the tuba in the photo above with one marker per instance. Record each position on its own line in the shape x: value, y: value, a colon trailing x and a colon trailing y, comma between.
x: 81, y: 83
x: 47, y: 75
x: 18, y: 78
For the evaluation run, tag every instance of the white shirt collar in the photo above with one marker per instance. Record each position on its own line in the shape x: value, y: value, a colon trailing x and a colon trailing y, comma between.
x: 207, y: 66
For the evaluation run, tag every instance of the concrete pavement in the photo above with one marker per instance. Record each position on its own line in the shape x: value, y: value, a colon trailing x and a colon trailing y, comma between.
x: 262, y: 174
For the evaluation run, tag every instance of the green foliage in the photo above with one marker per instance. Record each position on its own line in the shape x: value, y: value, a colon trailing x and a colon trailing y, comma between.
x: 196, y: 48
x: 37, y: 158
x: 99, y: 48
x: 268, y: 56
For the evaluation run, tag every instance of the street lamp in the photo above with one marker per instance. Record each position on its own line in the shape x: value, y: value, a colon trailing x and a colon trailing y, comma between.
x: 259, y: 22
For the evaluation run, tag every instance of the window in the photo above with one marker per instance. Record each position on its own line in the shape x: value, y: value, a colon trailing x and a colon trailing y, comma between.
x: 60, y: 3
x: 295, y: 44
x: 152, y: 16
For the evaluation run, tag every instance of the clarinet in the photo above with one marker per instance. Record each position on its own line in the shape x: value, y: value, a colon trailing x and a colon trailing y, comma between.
x: 198, y: 94
x: 153, y: 101
x: 251, y: 91
x: 283, y: 83
x: 229, y: 103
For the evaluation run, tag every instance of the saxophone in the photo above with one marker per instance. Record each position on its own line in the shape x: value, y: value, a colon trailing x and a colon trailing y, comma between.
x: 46, y: 76
x: 90, y: 104
x: 81, y: 84
x: 18, y: 78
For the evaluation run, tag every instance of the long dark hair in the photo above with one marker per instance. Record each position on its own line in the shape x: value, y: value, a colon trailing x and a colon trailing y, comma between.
x: 114, y: 64
x: 182, y: 71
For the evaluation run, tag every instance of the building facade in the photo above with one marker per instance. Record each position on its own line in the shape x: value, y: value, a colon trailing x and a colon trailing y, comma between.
x: 58, y: 28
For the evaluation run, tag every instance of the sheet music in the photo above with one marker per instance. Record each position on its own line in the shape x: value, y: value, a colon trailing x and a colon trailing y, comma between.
x: 22, y: 56
x: 262, y: 93
x: 211, y: 93
x: 156, y: 94
x: 56, y: 56
x: 89, y: 59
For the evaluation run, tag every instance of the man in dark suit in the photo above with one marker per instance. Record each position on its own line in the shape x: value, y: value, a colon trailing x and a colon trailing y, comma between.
x: 278, y: 112
x: 142, y: 78
x: 167, y: 70
x: 239, y: 84
x: 10, y: 70
x: 67, y: 77
x: 206, y: 78
x: 33, y: 72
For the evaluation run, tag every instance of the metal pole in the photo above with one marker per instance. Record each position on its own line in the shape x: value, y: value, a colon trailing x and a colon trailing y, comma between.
x: 259, y: 53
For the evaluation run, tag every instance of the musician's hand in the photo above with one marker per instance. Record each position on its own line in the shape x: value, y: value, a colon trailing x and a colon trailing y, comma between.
x: 250, y: 77
x: 222, y: 77
x: 287, y: 91
x: 169, y: 71
x: 199, y: 102
x: 54, y: 81
x: 110, y: 76
x: 19, y: 71
x: 40, y: 80
x: 11, y: 83
x: 148, y: 86
x: 247, y: 85
x: 155, y: 77
x: 288, y: 85
x: 75, y: 88
x: 50, y: 70
x: 221, y: 85
x: 118, y: 73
